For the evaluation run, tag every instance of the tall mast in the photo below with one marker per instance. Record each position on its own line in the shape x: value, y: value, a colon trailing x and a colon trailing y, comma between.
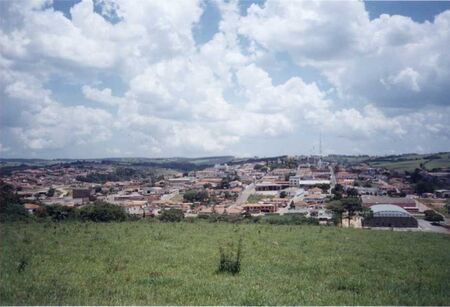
x: 320, y: 143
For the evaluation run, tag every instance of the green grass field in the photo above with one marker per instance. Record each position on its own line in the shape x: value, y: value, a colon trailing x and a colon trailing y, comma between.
x: 411, y: 162
x: 142, y: 263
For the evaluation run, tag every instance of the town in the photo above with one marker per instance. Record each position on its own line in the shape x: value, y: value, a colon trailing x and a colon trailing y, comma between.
x: 315, y: 189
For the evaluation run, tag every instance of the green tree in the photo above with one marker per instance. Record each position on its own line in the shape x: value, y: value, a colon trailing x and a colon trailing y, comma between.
x: 10, y: 206
x: 57, y: 212
x: 171, y: 215
x: 102, y: 212
x: 352, y: 192
x: 424, y: 187
x: 447, y: 206
x: 337, y: 208
x: 196, y: 195
x: 51, y: 192
x: 337, y: 191
x: 258, y: 166
x: 351, y: 205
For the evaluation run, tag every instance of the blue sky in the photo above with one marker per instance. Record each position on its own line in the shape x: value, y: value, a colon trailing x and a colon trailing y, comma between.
x: 104, y: 78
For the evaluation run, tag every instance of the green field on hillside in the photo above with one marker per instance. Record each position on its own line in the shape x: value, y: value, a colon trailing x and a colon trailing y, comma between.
x: 143, y: 263
x: 410, y: 162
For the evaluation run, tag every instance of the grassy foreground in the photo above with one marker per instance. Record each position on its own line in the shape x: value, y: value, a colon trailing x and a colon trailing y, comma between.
x: 143, y: 263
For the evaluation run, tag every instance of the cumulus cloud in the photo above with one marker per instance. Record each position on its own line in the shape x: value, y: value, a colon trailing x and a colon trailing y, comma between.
x: 388, y: 61
x: 179, y: 97
x: 104, y: 96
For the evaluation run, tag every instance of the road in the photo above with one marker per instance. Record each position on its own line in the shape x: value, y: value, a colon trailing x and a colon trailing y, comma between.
x: 250, y: 189
x: 422, y: 207
x: 427, y: 227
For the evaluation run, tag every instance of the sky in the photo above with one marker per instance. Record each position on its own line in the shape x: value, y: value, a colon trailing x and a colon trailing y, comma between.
x: 103, y: 78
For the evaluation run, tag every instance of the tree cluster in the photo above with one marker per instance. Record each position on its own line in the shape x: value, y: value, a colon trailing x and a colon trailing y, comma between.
x: 120, y: 174
x: 196, y: 196
x: 350, y: 205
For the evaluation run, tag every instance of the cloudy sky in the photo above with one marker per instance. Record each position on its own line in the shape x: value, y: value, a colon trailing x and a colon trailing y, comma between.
x: 101, y: 78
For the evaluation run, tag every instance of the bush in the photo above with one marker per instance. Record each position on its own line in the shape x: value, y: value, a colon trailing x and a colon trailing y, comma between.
x: 57, y: 212
x: 447, y: 206
x: 171, y: 215
x: 10, y: 207
x: 432, y: 216
x: 289, y: 219
x: 229, y: 261
x: 102, y: 212
x: 196, y: 196
x: 13, y: 212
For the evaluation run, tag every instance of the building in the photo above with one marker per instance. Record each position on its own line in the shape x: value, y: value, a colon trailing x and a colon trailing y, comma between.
x: 258, y: 208
x: 81, y: 193
x: 315, y: 198
x: 152, y: 191
x: 442, y: 193
x: 406, y: 203
x: 31, y: 208
x: 294, y: 180
x: 268, y: 186
x: 388, y: 215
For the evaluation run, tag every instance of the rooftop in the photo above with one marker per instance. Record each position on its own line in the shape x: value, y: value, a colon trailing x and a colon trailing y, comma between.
x: 389, y: 210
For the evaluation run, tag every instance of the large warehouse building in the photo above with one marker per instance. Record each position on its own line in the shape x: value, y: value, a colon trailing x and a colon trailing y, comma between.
x: 388, y: 215
x: 409, y: 204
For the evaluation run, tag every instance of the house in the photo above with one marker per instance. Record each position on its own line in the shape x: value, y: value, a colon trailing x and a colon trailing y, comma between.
x: 81, y: 193
x: 294, y: 181
x: 31, y: 208
x: 136, y: 207
x: 260, y: 207
x: 268, y: 186
x: 442, y: 193
x: 221, y: 209
x: 315, y: 190
x: 315, y: 198
x: 128, y: 197
x: 181, y: 181
x: 346, y: 176
x: 152, y: 191
x: 298, y: 204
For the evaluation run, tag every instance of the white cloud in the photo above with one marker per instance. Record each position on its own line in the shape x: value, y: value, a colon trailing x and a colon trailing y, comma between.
x: 182, y: 98
x: 408, y: 78
x: 104, y: 96
x: 359, y: 56
x: 4, y: 148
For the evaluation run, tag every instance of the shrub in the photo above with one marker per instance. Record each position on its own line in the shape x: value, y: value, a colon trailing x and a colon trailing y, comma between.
x: 171, y: 215
x: 289, y: 219
x: 57, y: 212
x: 196, y: 196
x: 229, y: 261
x: 10, y: 207
x: 13, y: 212
x: 432, y: 216
x: 102, y: 212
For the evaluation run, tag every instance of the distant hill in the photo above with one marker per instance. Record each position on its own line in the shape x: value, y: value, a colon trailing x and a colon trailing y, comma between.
x: 176, y: 163
x: 404, y: 162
